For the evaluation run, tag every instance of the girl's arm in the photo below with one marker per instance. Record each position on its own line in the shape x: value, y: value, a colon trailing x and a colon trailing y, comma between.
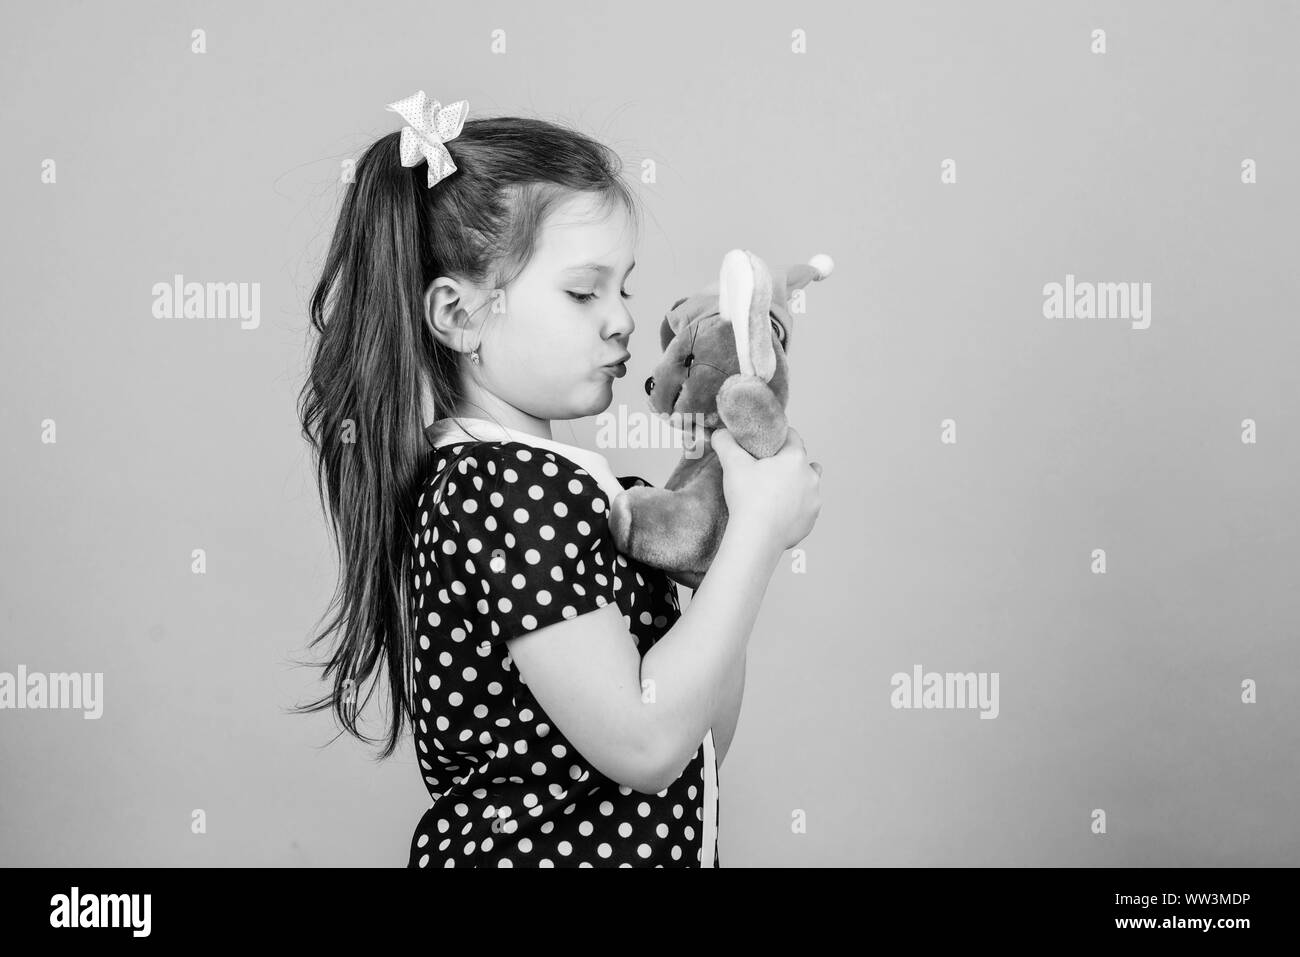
x: 640, y: 720
x: 698, y: 667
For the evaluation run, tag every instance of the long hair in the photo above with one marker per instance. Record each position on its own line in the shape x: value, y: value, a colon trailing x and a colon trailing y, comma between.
x: 361, y: 405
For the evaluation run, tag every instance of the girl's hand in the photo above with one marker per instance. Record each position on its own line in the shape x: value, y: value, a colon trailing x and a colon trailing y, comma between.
x: 780, y: 495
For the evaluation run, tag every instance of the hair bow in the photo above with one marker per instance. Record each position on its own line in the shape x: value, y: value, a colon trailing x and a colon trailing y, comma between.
x: 431, y: 125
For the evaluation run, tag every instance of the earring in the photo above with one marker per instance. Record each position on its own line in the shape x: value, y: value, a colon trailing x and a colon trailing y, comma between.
x: 473, y: 357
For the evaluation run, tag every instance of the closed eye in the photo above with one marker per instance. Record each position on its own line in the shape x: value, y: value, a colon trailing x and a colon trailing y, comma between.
x: 585, y: 297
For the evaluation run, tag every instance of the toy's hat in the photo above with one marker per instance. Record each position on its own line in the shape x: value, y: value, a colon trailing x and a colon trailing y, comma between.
x: 787, y: 281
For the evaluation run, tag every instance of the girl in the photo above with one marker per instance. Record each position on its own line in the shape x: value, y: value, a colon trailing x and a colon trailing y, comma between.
x: 565, y: 711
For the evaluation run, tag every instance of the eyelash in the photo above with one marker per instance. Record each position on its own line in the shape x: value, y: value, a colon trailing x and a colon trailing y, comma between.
x: 586, y: 297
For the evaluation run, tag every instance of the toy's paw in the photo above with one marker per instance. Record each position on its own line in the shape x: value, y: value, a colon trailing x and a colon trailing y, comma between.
x: 752, y: 415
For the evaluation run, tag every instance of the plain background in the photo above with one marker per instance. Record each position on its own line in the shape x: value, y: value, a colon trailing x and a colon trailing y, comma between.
x: 1118, y: 691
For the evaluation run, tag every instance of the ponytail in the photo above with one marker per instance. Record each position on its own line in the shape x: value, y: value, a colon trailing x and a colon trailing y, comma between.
x: 362, y: 406
x: 361, y: 412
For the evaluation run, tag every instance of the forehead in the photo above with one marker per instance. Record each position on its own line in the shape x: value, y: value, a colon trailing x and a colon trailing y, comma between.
x: 583, y: 232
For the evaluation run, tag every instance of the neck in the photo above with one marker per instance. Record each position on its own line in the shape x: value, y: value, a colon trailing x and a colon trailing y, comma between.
x: 494, y: 409
x: 481, y: 404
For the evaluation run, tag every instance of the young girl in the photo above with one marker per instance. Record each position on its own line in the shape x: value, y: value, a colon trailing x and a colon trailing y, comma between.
x: 566, y: 713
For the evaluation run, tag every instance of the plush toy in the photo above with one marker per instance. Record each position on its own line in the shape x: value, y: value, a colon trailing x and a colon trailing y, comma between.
x: 724, y: 366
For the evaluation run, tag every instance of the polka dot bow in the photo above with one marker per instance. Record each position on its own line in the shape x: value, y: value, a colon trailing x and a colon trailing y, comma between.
x: 431, y: 125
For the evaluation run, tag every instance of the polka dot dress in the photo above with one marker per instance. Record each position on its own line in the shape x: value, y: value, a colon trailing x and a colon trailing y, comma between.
x: 511, y: 538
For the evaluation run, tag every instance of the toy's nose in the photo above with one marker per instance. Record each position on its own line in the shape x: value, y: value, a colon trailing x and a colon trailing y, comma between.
x: 649, y: 385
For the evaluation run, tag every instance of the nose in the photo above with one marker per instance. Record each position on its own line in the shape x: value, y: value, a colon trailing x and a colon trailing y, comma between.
x: 649, y: 385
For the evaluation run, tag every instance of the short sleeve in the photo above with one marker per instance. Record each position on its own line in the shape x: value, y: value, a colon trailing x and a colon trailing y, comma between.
x: 528, y: 541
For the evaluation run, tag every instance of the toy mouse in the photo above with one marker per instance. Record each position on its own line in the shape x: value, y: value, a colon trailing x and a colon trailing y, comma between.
x: 724, y: 366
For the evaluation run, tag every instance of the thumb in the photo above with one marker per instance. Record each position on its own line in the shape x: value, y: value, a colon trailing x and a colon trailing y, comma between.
x: 726, y: 447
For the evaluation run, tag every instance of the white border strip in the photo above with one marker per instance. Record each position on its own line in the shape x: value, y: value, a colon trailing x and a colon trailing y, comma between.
x: 709, y: 836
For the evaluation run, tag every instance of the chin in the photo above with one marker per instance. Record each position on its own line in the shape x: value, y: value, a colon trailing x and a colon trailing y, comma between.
x: 598, y: 403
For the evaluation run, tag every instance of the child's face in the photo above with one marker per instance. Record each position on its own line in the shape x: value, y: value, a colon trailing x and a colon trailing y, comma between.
x: 563, y: 325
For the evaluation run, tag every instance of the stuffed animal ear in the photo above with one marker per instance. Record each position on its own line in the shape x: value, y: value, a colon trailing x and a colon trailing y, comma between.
x: 685, y: 311
x: 667, y: 329
x: 744, y: 300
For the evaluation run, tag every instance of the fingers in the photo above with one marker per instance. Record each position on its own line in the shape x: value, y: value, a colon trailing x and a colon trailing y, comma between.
x: 727, y: 448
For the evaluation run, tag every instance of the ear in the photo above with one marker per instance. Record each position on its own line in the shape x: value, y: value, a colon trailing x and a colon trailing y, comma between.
x: 671, y: 324
x: 789, y: 279
x: 666, y: 333
x: 683, y: 313
x: 744, y: 299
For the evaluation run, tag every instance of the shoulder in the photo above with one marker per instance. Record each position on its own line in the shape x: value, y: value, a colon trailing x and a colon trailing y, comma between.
x: 507, y: 465
x: 516, y: 486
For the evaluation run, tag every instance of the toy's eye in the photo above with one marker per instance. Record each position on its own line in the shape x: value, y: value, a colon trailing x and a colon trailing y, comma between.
x: 689, y: 359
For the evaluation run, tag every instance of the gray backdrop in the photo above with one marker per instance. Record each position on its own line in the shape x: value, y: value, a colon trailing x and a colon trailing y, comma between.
x: 1119, y: 691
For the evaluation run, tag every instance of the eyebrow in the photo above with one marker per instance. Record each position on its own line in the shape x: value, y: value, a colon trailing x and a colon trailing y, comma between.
x: 597, y: 268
